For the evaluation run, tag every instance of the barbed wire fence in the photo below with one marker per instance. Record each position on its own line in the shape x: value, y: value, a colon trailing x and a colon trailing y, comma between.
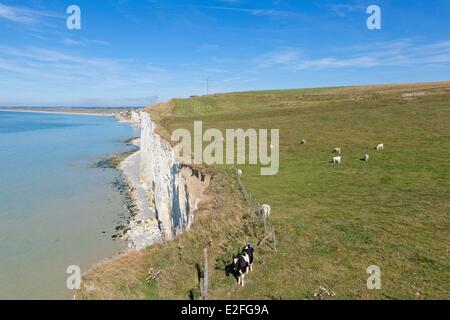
x: 254, y: 210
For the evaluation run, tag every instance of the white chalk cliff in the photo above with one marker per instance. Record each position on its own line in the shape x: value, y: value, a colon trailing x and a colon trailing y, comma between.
x: 166, y: 191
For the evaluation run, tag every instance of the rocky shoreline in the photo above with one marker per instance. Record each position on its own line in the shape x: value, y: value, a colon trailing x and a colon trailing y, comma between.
x: 142, y: 229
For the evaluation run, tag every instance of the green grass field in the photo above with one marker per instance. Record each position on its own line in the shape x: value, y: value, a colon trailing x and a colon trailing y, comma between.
x: 331, y: 221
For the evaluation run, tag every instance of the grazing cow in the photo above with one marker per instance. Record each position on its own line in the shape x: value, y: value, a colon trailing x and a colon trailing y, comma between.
x: 249, y: 250
x: 380, y: 147
x: 265, y: 211
x: 337, y: 150
x: 239, y: 173
x: 366, y: 157
x: 241, y: 265
x: 303, y: 141
x: 336, y: 160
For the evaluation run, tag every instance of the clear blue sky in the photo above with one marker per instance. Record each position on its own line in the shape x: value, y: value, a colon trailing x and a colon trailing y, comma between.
x: 133, y: 52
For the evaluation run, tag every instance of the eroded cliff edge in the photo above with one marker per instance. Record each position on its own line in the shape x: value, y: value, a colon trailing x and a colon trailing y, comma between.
x: 166, y: 191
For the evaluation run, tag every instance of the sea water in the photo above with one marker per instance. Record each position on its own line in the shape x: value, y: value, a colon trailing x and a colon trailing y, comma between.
x: 57, y: 209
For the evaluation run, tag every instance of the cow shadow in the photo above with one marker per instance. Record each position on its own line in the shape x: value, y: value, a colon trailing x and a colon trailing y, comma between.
x: 200, y: 273
x: 195, y: 293
x: 230, y: 271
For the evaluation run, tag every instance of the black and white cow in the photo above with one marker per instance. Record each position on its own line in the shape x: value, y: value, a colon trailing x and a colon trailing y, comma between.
x: 241, y: 265
x: 249, y: 250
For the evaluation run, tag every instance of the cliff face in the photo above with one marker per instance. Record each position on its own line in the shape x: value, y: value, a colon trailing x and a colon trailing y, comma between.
x: 131, y: 117
x: 135, y: 117
x: 172, y: 189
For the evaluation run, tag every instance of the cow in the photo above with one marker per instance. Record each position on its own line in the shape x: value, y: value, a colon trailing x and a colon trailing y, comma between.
x: 380, y: 147
x: 239, y: 173
x: 249, y: 250
x: 336, y: 160
x: 265, y: 211
x: 241, y: 265
x: 337, y: 150
x: 303, y: 141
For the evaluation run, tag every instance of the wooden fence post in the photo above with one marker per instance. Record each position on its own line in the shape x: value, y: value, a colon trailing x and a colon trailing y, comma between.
x: 274, y: 239
x: 205, y: 277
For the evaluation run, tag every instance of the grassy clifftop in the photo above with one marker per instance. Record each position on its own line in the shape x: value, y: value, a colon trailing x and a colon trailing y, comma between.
x: 332, y: 222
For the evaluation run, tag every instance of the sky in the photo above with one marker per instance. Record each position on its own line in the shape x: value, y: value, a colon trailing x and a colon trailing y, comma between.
x: 138, y: 52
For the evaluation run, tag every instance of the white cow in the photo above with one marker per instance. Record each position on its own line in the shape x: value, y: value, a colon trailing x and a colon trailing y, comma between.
x: 380, y: 147
x: 265, y: 211
x: 336, y: 160
x: 366, y: 157
x: 239, y: 173
x: 337, y: 150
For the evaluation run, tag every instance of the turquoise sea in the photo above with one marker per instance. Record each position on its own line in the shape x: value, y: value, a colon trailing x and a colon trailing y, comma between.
x: 56, y: 208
